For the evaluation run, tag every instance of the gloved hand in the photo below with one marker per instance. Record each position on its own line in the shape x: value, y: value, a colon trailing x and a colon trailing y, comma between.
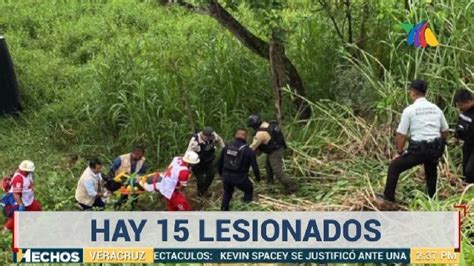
x: 22, y: 208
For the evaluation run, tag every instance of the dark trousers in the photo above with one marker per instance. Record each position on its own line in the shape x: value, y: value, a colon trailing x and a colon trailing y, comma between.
x: 468, y: 162
x: 428, y: 157
x: 232, y: 181
x: 204, y: 173
x: 124, y: 198
x: 98, y: 203
x: 274, y: 168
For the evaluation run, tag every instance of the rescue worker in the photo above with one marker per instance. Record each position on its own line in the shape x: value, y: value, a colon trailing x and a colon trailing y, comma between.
x: 128, y: 164
x: 204, y: 144
x: 233, y: 166
x: 465, y: 132
x: 21, y: 189
x: 269, y: 139
x: 171, y: 183
x: 425, y: 125
x: 90, y: 190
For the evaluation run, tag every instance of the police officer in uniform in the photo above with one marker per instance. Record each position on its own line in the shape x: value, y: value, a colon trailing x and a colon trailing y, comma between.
x: 270, y: 140
x: 204, y: 144
x: 233, y: 166
x: 465, y: 131
x: 424, y: 123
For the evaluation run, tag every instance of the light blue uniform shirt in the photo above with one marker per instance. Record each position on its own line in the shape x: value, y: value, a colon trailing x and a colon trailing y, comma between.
x: 422, y: 121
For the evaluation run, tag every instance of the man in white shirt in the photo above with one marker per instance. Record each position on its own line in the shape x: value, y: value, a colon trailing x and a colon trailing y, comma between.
x: 425, y: 125
x: 90, y: 190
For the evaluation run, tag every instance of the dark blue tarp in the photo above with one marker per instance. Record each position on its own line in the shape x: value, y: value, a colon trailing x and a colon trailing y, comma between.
x: 9, y: 95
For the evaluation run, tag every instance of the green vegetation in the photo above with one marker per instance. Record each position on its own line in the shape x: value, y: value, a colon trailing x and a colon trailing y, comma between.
x: 98, y: 76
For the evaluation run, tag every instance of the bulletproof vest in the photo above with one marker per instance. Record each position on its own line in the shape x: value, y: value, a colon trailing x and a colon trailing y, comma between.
x: 277, y: 140
x: 207, y: 149
x: 464, y: 126
x: 233, y: 157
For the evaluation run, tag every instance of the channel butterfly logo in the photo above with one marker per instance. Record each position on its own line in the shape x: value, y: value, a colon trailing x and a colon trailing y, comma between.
x: 420, y: 35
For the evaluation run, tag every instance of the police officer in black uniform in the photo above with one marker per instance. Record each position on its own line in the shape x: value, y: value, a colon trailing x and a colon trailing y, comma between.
x: 465, y: 131
x: 233, y: 166
x: 269, y: 139
x: 204, y: 144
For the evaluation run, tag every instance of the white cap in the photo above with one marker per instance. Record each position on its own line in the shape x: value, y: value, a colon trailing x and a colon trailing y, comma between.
x: 27, y: 166
x: 191, y: 157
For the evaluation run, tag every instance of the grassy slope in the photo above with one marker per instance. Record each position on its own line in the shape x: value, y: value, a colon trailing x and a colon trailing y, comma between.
x: 62, y: 83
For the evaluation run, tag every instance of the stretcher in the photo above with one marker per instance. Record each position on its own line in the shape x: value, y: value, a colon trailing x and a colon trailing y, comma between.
x: 131, y: 184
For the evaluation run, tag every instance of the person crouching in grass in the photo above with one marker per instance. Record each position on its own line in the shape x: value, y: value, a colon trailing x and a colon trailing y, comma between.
x: 21, y: 196
x: 90, y: 188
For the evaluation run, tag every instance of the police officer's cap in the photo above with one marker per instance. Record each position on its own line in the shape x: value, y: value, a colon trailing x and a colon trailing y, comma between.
x: 419, y: 85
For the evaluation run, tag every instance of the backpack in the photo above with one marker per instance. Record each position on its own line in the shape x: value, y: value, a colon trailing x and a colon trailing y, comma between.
x: 277, y: 140
x: 233, y: 157
x: 8, y: 205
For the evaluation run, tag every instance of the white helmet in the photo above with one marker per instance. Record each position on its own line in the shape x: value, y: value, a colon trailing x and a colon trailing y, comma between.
x: 27, y: 166
x: 191, y: 157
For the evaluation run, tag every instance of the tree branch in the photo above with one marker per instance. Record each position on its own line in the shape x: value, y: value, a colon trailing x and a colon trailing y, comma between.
x: 247, y: 38
x: 333, y: 20
x: 262, y: 49
x: 279, y: 72
x: 349, y: 19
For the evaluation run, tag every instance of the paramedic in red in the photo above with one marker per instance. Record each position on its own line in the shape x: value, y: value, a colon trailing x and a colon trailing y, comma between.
x: 171, y: 183
x: 178, y: 201
x: 22, y: 189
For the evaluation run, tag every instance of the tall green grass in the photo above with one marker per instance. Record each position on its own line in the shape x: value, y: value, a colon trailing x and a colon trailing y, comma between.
x: 119, y: 73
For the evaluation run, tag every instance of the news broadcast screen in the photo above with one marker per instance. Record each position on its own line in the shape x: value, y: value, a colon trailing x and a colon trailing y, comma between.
x: 237, y: 132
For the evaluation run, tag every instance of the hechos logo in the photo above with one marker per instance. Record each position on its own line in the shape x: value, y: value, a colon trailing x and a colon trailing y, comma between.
x: 48, y: 256
x: 420, y: 35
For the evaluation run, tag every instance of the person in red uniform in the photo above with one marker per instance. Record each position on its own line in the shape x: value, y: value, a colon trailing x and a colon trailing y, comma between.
x: 22, y: 190
x: 171, y: 183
